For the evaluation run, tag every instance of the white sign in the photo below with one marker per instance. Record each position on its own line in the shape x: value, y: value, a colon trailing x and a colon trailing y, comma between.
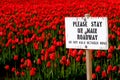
x: 86, y: 33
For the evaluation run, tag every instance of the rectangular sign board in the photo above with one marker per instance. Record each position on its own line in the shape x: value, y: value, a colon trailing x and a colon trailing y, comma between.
x: 86, y: 33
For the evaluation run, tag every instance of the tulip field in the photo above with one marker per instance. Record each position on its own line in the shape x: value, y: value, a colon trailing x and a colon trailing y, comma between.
x: 33, y: 42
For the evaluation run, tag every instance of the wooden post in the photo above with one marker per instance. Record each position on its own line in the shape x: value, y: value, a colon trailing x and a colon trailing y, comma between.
x: 88, y: 60
x: 89, y: 65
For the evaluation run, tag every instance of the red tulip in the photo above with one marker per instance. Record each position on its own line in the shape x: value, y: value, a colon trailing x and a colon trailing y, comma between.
x: 54, y: 27
x: 119, y: 47
x: 84, y: 59
x: 22, y: 60
x: 109, y: 55
x: 22, y: 73
x: 78, y: 59
x: 113, y: 37
x: 61, y: 62
x: 22, y: 66
x: 109, y: 69
x: 10, y: 35
x: 28, y: 55
x: 28, y: 63
x: 16, y: 40
x: 52, y: 56
x: 13, y: 46
x: 13, y: 69
x: 103, y: 54
x: 119, y: 71
x: 36, y: 46
x: 64, y: 58
x: 20, y: 42
x: 110, y: 78
x: 26, y: 32
x: 39, y: 61
x: 118, y: 33
x: 74, y: 53
x: 48, y: 65
x: 17, y: 73
x: 42, y: 57
x: 114, y: 68
x: 1, y: 33
x: 58, y: 56
x: 42, y: 51
x: 46, y: 44
x: 13, y: 42
x: 109, y: 36
x: 33, y: 71
x: 15, y: 57
x: 98, y: 55
x: 104, y: 74
x: 60, y: 32
x: 80, y: 53
x: 111, y: 49
x: 59, y: 43
x: 94, y: 76
x: 7, y: 67
x: 52, y: 48
x: 68, y: 62
x: 46, y: 55
x: 8, y: 43
x: 98, y: 68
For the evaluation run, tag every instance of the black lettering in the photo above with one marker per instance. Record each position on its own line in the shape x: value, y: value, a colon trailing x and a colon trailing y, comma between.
x: 70, y: 41
x: 75, y: 42
x: 74, y: 24
x: 96, y: 24
x: 79, y: 24
x: 92, y: 42
x: 91, y: 30
x: 100, y: 24
x: 87, y: 37
x: 103, y: 43
x: 80, y: 30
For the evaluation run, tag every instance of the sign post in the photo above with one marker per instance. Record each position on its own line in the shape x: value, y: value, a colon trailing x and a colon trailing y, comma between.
x: 88, y: 59
x: 89, y: 64
x: 89, y: 33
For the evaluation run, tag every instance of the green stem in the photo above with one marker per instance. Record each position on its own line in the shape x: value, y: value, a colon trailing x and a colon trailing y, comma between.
x: 62, y: 71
